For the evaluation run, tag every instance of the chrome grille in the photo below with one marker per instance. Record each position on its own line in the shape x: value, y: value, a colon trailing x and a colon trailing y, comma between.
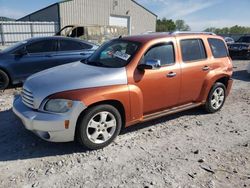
x: 27, y: 98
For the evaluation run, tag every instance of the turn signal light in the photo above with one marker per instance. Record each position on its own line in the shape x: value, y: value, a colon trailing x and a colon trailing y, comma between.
x: 66, y: 124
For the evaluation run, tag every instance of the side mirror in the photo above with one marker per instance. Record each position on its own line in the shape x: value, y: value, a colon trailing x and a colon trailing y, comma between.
x: 150, y: 64
x: 21, y: 52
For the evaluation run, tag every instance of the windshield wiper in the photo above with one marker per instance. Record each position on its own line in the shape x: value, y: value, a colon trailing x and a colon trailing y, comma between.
x: 93, y: 63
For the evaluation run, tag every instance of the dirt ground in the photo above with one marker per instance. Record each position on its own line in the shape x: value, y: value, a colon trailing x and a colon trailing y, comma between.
x: 188, y: 149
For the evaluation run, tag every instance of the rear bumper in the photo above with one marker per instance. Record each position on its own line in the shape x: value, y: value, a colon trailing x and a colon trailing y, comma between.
x: 49, y: 126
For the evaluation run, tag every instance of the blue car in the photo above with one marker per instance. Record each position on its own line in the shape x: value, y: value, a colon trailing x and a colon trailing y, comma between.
x: 36, y: 54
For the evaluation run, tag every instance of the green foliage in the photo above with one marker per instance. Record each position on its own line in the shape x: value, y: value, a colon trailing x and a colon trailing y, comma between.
x: 229, y: 30
x: 182, y: 26
x: 165, y: 25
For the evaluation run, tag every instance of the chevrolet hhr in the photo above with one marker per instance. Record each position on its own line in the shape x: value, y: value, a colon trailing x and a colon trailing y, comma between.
x: 126, y: 81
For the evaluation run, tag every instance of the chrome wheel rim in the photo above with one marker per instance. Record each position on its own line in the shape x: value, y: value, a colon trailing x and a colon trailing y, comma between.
x: 101, y: 127
x: 218, y: 97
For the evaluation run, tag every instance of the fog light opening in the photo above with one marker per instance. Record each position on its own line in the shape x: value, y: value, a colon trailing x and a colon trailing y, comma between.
x: 44, y: 135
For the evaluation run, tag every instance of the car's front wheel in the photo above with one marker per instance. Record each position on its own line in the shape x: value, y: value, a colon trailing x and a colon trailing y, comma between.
x: 99, y: 126
x: 4, y: 80
x: 216, y: 98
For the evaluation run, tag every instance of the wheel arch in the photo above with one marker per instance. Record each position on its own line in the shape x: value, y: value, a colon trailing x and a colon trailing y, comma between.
x: 7, y: 72
x: 210, y: 81
x: 115, y: 103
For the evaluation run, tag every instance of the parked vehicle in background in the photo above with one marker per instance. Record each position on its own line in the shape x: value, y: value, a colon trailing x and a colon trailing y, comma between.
x: 241, y: 48
x: 36, y: 54
x: 229, y: 40
x: 126, y: 81
x: 95, y: 34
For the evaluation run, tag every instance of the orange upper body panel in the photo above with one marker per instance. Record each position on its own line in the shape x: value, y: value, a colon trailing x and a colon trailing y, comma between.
x: 151, y: 91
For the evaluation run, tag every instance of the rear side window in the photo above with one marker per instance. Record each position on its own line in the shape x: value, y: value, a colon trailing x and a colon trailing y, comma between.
x: 42, y: 46
x: 67, y: 45
x: 164, y: 53
x: 218, y: 48
x: 193, y: 50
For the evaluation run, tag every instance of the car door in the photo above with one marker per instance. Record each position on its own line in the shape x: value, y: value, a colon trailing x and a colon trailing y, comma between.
x: 195, y: 66
x: 39, y: 56
x: 160, y: 87
x: 71, y: 51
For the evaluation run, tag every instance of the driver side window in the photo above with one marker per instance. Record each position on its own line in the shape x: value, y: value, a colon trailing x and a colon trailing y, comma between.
x: 163, y: 52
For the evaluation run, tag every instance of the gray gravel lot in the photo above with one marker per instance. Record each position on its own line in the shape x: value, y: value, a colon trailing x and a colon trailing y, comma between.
x: 188, y: 149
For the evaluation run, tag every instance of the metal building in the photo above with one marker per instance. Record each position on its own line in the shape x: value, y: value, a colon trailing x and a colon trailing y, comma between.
x: 125, y: 13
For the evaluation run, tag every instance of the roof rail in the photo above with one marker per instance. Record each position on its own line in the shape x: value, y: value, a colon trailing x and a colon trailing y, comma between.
x: 191, y: 32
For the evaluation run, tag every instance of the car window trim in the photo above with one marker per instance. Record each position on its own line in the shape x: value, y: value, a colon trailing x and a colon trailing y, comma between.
x: 193, y: 61
x: 161, y: 44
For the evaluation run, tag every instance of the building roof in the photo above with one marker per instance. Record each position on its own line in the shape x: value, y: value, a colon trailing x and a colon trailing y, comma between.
x: 64, y: 1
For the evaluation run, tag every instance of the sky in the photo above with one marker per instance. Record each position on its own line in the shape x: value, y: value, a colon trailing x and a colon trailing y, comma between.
x: 198, y: 14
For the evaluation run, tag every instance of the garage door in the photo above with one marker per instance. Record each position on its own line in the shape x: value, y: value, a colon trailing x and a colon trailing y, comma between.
x: 119, y: 21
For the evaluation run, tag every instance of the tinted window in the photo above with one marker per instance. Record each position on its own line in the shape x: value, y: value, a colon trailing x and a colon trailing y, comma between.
x: 218, y: 48
x: 42, y: 46
x: 244, y: 39
x: 164, y: 53
x: 193, y: 50
x: 67, y: 45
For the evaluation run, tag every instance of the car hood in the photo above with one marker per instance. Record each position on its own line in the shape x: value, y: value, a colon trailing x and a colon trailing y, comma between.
x: 70, y: 77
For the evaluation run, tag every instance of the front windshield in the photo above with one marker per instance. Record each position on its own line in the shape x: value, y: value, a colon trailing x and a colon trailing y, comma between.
x: 116, y: 53
x: 244, y: 39
x: 14, y: 46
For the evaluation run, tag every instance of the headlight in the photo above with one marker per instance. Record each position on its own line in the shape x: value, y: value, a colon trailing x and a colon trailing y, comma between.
x: 58, y: 105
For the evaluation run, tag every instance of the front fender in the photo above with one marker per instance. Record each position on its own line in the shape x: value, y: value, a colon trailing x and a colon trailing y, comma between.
x: 91, y: 96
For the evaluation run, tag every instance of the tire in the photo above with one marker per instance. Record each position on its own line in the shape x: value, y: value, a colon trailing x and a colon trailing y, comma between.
x: 216, y: 98
x: 4, y: 80
x: 99, y: 126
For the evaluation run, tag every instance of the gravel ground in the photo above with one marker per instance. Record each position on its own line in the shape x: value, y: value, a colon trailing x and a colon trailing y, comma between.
x: 188, y: 149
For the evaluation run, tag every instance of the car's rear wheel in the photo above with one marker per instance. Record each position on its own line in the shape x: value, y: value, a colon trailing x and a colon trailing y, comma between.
x: 99, y: 126
x: 216, y: 98
x: 4, y: 80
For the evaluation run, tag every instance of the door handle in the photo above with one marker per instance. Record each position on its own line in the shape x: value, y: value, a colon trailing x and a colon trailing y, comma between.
x: 171, y: 74
x: 206, y: 68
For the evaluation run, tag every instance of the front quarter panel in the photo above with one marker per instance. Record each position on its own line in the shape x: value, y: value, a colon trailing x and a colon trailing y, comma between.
x: 92, y: 96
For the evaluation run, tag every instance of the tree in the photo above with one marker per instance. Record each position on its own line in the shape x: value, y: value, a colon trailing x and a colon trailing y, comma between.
x: 182, y: 26
x: 232, y: 30
x: 164, y: 25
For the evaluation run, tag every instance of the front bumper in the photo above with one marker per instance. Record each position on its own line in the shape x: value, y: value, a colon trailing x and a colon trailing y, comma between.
x: 49, y: 126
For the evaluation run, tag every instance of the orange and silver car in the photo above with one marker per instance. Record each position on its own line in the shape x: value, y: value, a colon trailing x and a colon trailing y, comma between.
x: 126, y: 81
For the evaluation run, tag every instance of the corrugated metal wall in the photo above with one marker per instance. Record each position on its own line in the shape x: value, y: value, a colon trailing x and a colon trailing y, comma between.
x: 12, y: 32
x: 97, y: 12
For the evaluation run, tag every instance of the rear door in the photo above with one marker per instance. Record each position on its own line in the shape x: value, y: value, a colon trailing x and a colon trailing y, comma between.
x: 71, y: 51
x: 195, y: 66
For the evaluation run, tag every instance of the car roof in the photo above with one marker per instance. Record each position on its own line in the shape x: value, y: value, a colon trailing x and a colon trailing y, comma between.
x: 154, y: 36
